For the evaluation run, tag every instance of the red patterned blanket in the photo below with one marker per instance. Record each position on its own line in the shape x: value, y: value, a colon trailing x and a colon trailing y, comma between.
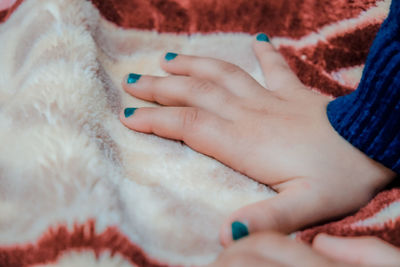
x: 78, y: 189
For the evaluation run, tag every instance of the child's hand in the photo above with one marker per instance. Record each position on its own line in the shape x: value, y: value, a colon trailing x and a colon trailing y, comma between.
x: 281, y: 138
x: 272, y: 249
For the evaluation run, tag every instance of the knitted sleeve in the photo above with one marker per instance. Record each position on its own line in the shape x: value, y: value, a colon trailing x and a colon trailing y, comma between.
x: 369, y: 118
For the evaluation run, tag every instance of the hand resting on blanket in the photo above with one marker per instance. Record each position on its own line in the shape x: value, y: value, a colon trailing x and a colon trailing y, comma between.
x: 280, y: 137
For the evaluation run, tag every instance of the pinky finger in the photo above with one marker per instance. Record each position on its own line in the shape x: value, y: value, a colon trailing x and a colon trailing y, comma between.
x: 200, y: 130
x: 277, y: 73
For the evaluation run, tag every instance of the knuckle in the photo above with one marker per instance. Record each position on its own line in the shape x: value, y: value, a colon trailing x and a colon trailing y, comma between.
x: 230, y: 69
x: 190, y: 118
x: 201, y: 86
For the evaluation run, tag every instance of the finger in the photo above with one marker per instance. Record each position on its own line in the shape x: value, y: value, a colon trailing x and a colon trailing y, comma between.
x: 278, y: 75
x: 202, y: 131
x: 183, y: 91
x: 224, y: 74
x: 278, y: 248
x: 286, y: 212
x: 358, y: 250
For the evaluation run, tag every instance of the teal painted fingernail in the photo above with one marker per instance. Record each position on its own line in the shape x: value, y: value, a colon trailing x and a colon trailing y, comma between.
x: 239, y: 230
x: 170, y: 56
x: 133, y: 78
x: 262, y: 37
x: 129, y: 112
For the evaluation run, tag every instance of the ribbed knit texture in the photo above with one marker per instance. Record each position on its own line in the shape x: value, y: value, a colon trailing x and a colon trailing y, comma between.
x: 369, y: 118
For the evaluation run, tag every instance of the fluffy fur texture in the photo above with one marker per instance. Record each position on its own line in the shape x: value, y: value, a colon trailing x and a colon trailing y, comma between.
x: 77, y: 187
x: 66, y: 158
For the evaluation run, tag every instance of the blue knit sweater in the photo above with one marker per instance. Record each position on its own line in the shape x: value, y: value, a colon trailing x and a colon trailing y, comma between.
x: 369, y: 118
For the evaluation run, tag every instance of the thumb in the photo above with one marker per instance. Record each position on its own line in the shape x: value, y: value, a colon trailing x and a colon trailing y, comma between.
x: 286, y: 212
x: 358, y: 250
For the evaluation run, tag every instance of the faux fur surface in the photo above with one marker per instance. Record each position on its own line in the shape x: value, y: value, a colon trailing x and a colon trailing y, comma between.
x: 78, y: 188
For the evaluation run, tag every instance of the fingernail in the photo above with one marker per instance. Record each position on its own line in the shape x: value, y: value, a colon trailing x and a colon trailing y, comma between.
x: 239, y: 230
x: 170, y: 56
x: 262, y: 37
x: 129, y: 112
x: 133, y: 78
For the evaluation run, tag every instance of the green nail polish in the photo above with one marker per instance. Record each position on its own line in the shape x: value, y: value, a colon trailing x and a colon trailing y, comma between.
x: 262, y: 37
x: 133, y: 78
x: 129, y: 112
x: 239, y: 230
x: 170, y: 56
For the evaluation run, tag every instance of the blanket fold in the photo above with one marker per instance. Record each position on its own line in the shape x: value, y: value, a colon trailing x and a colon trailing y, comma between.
x: 79, y: 189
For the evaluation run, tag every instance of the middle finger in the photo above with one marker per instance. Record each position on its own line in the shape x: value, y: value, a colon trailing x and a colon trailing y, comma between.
x: 183, y: 91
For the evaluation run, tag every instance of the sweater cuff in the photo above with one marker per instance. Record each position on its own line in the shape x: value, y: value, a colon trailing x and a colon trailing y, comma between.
x: 372, y: 127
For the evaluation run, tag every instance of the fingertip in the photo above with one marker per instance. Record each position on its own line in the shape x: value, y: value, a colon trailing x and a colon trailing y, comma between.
x: 124, y: 83
x: 262, y: 41
x: 225, y: 235
x: 129, y: 112
x: 262, y: 37
x: 236, y: 227
x: 167, y: 59
x: 122, y: 118
x: 233, y: 230
x: 261, y: 49
x: 170, y: 56
x: 321, y: 239
x: 130, y: 80
x: 126, y: 116
x: 322, y: 236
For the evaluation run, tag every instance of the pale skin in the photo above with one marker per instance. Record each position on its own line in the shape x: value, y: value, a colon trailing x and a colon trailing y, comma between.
x: 280, y: 137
